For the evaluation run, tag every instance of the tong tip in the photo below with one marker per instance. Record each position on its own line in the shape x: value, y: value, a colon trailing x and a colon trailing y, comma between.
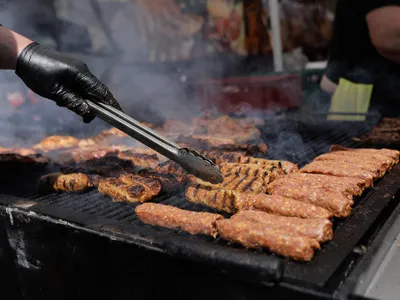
x: 200, y: 166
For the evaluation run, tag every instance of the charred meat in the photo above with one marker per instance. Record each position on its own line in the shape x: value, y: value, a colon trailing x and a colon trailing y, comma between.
x: 59, y: 182
x: 107, y: 166
x: 130, y: 188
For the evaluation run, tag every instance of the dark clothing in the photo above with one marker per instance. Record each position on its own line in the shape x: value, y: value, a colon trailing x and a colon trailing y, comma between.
x: 353, y: 56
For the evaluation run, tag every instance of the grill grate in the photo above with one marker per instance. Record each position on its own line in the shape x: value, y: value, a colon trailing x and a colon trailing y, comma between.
x: 301, y: 145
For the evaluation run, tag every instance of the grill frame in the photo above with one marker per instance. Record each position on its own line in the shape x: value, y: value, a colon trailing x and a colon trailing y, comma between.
x: 257, y: 268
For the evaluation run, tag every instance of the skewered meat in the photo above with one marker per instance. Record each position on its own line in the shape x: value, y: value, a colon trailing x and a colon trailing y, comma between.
x: 394, y: 154
x: 141, y: 161
x: 175, y: 218
x: 130, y: 188
x: 319, y: 229
x: 31, y: 159
x: 365, y: 162
x: 56, y: 142
x: 345, y: 185
x: 337, y: 203
x: 255, y: 235
x: 341, y: 169
x: 58, y: 182
x: 288, y: 207
x: 107, y: 166
x: 222, y: 200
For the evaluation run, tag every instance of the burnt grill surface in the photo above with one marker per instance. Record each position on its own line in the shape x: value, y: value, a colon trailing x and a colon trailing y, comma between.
x: 325, y: 271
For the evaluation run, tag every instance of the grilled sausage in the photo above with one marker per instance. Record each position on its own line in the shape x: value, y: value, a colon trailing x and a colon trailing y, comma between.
x: 345, y: 185
x: 175, y: 218
x: 371, y: 164
x: 319, y: 229
x: 254, y: 235
x: 337, y: 203
x: 393, y: 154
x: 288, y: 207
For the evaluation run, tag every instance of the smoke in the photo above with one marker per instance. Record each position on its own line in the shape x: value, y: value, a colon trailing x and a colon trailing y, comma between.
x: 118, y: 42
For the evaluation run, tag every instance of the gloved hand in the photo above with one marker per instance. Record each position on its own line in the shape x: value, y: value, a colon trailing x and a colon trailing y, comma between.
x: 63, y: 79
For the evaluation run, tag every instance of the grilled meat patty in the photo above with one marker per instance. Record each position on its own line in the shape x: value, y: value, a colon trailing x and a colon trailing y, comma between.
x: 169, y: 182
x: 171, y: 167
x: 130, y: 188
x: 59, y: 182
x: 141, y: 161
x: 266, y: 173
x: 79, y: 155
x: 175, y: 218
x: 56, y: 142
x: 246, y: 179
x: 219, y: 157
x: 318, y: 229
x: 286, y: 166
x: 222, y: 200
x: 252, y: 234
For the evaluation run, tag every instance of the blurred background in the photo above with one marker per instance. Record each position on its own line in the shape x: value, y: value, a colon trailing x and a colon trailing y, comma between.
x: 167, y: 59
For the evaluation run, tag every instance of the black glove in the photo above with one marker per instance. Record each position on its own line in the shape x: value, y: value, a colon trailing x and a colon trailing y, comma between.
x: 65, y: 80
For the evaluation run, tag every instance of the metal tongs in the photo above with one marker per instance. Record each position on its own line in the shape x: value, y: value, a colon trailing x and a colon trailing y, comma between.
x: 192, y: 161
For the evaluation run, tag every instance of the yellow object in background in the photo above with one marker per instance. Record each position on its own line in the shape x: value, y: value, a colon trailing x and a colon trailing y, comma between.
x: 350, y: 97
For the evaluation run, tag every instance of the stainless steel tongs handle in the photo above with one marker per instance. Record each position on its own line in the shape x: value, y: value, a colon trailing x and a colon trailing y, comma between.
x: 190, y: 160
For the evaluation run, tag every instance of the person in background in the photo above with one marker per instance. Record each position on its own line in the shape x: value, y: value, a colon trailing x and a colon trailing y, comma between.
x: 363, y: 71
x: 52, y: 74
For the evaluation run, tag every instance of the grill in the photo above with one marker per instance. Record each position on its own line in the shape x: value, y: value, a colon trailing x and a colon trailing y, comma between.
x: 331, y: 265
